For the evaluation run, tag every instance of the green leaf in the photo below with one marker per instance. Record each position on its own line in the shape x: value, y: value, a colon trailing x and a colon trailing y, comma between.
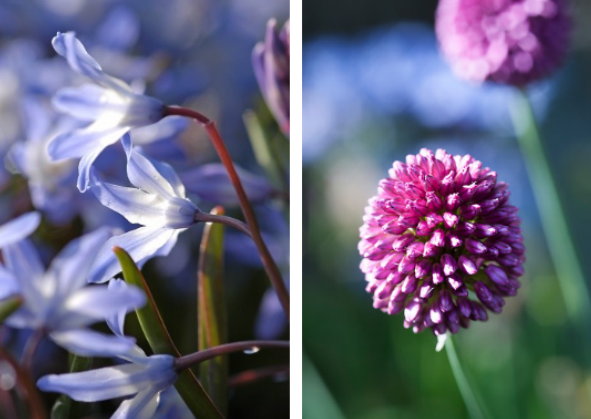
x: 9, y: 306
x: 271, y: 152
x: 159, y: 339
x: 211, y: 310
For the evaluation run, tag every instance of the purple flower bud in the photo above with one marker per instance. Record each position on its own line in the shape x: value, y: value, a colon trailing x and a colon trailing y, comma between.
x: 409, y: 285
x: 422, y: 268
x: 412, y: 311
x: 438, y: 238
x: 507, y: 41
x: 270, y: 61
x: 475, y: 247
x: 467, y: 265
x: 426, y: 290
x: 436, y: 315
x: 449, y: 264
x: 455, y: 282
x: 437, y: 223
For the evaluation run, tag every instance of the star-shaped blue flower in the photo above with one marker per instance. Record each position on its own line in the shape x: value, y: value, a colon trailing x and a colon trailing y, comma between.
x: 110, y: 106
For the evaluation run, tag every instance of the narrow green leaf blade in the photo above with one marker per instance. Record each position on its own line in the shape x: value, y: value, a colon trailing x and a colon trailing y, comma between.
x: 211, y: 310
x: 9, y: 306
x: 159, y: 339
x: 267, y: 153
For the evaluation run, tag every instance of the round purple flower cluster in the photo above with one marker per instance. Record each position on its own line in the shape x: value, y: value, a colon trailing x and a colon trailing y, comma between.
x: 441, y: 242
x: 507, y: 41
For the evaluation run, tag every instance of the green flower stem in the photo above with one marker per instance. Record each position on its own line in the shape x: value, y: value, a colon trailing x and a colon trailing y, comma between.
x: 467, y: 391
x: 560, y: 244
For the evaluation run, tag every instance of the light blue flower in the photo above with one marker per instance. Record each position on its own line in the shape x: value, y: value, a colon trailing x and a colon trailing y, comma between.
x: 19, y: 228
x: 59, y: 301
x: 157, y: 202
x: 109, y: 104
x: 210, y: 182
x: 144, y: 378
x: 49, y: 181
x: 10, y: 233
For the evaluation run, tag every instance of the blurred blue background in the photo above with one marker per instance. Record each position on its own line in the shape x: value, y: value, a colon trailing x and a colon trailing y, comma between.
x: 195, y: 53
x: 375, y: 89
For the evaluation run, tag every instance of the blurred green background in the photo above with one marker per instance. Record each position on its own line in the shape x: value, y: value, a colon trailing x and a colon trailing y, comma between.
x: 374, y: 90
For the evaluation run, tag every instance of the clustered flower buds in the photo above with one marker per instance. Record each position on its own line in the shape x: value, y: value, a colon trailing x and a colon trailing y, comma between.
x: 441, y: 243
x: 507, y: 41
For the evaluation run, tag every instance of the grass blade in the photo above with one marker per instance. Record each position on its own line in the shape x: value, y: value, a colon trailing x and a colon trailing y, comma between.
x: 211, y: 310
x: 158, y: 337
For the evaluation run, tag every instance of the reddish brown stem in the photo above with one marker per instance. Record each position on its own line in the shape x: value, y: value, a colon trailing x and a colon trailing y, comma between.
x: 227, y: 348
x: 222, y: 219
x: 26, y: 386
x: 220, y: 147
x: 250, y: 376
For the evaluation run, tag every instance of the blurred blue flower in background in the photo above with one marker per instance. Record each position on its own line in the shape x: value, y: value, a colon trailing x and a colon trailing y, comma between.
x: 58, y: 301
x: 393, y: 72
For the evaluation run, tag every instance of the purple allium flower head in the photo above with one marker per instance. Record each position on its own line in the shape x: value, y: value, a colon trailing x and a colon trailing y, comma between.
x: 441, y: 243
x: 271, y: 66
x: 507, y: 41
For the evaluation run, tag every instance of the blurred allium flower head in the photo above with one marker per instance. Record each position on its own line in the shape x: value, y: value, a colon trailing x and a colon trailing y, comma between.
x: 507, y: 41
x: 271, y: 66
x: 441, y: 243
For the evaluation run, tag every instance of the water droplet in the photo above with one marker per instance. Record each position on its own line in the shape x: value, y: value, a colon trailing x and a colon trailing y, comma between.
x: 252, y: 350
x: 7, y: 376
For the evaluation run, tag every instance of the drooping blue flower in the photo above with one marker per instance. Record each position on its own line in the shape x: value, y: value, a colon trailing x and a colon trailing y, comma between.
x: 157, y: 202
x: 144, y: 378
x: 59, y: 301
x: 110, y: 105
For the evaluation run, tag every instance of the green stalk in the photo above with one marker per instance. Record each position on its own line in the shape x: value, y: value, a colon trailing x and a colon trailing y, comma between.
x: 560, y: 244
x: 475, y: 409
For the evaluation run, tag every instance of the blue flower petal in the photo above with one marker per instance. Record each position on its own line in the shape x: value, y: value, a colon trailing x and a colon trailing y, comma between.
x: 137, y: 206
x: 95, y: 385
x: 23, y: 261
x: 77, y: 143
x: 143, y: 405
x: 152, y: 176
x: 86, y: 342
x: 68, y: 46
x: 142, y: 244
x: 19, y: 228
x: 71, y: 266
x: 101, y: 302
x: 117, y: 320
x: 8, y: 284
x: 211, y: 183
x: 84, y: 102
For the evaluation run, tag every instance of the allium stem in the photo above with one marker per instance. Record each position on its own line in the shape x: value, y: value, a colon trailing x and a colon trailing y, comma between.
x: 220, y: 147
x: 251, y: 346
x: 466, y: 390
x: 222, y: 219
x: 560, y: 244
